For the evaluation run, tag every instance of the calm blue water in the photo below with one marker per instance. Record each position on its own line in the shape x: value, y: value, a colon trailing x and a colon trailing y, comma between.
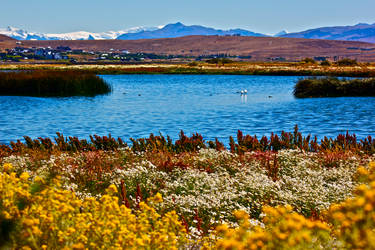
x: 208, y: 104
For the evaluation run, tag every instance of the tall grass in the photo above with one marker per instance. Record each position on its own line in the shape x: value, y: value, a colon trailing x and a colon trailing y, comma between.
x: 334, y: 87
x: 52, y: 83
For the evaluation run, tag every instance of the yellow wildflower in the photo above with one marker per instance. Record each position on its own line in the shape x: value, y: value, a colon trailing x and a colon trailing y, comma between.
x: 28, y: 222
x: 7, y: 167
x: 36, y: 231
x: 241, y: 215
x: 158, y: 198
x: 24, y: 176
x: 78, y: 246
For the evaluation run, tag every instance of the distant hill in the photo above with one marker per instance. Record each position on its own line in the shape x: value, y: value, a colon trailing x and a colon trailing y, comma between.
x: 5, y: 38
x: 259, y: 48
x: 7, y: 42
x: 361, y: 32
x: 180, y: 30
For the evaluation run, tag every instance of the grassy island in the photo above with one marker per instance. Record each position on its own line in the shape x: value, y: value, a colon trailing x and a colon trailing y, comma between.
x: 334, y: 87
x: 49, y: 83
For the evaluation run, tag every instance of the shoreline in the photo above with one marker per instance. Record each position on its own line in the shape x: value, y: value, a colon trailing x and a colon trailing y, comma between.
x: 294, y: 140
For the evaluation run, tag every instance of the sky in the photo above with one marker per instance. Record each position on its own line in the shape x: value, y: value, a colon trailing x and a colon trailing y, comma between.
x: 265, y: 16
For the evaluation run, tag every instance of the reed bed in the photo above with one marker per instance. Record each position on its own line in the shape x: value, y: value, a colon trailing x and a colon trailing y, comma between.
x: 334, y: 87
x: 52, y: 83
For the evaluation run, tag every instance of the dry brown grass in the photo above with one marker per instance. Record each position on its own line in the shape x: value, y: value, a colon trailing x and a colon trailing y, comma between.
x: 246, y: 68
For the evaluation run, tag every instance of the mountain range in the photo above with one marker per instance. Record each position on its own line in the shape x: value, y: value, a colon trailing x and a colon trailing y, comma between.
x: 21, y: 34
x: 360, y: 32
x: 179, y: 30
x: 167, y: 31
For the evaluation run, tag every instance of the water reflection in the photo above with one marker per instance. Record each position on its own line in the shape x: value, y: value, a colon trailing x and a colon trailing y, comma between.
x: 243, y: 98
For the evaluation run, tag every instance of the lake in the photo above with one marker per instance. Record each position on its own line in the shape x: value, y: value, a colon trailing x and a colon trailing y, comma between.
x: 207, y: 104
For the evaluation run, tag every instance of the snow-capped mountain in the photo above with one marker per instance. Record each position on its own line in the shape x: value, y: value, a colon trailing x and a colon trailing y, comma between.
x: 167, y: 31
x: 21, y: 34
x: 281, y: 33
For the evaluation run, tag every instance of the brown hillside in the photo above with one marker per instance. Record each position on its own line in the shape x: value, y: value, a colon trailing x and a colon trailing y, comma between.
x: 7, y: 42
x: 260, y: 48
x: 4, y: 38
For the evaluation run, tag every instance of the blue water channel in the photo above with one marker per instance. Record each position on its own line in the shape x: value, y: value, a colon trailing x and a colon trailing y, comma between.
x: 207, y: 104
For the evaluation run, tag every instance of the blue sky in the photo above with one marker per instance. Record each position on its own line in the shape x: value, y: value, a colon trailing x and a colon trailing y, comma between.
x: 266, y: 16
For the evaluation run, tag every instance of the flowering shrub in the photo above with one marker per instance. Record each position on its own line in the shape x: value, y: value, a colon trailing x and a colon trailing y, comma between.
x: 282, y: 229
x: 354, y: 219
x: 201, y: 184
x: 205, y: 187
x: 35, y: 214
x: 347, y: 225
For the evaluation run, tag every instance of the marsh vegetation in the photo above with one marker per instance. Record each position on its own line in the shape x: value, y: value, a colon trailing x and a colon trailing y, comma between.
x: 49, y: 83
x: 334, y: 87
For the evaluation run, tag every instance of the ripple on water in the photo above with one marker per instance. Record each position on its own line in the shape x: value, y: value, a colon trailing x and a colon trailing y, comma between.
x: 208, y: 104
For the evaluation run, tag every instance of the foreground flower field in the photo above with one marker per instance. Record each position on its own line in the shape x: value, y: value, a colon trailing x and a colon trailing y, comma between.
x: 189, y: 197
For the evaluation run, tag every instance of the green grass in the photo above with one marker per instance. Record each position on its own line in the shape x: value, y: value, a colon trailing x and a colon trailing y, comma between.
x: 48, y: 83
